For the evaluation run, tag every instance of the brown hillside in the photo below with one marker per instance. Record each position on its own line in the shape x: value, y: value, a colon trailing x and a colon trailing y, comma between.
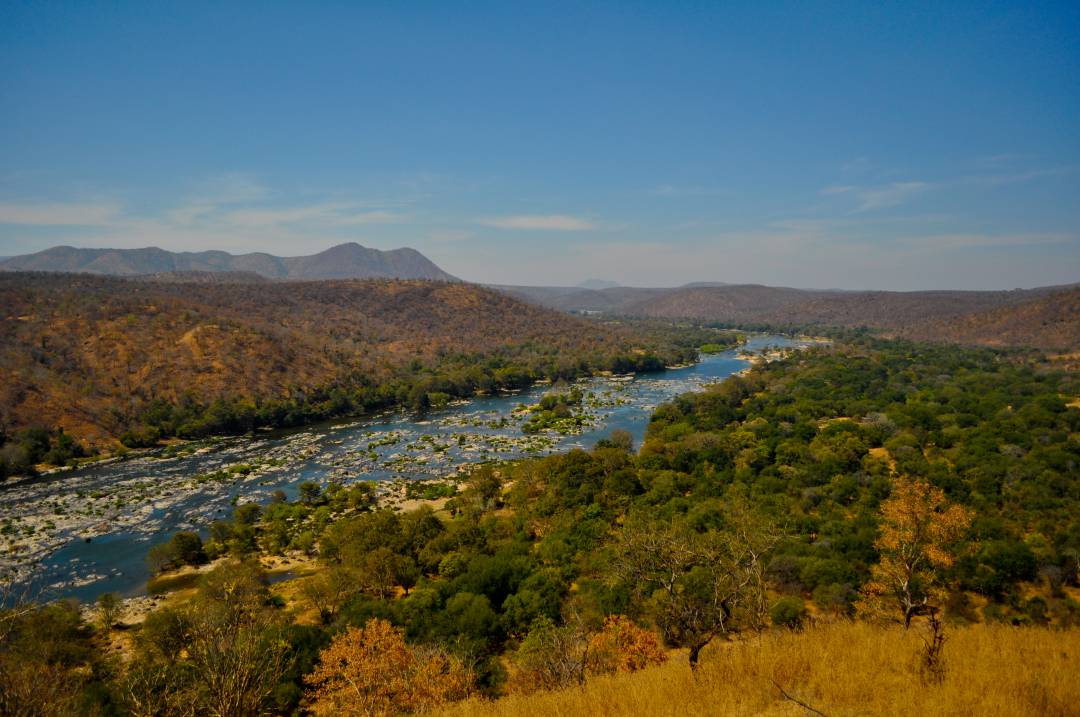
x: 88, y: 353
x: 1052, y: 322
x: 1043, y: 318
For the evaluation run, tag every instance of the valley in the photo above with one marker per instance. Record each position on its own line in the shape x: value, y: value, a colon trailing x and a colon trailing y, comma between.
x: 517, y: 359
x: 86, y: 532
x: 1046, y: 317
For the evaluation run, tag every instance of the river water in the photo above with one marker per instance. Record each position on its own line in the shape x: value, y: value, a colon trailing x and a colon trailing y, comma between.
x: 82, y: 533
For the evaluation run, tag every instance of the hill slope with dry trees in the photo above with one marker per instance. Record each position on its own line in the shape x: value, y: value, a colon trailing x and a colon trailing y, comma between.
x: 97, y: 356
x: 1046, y: 318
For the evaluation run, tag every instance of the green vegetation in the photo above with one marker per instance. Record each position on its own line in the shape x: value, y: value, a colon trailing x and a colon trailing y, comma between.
x: 558, y: 410
x: 816, y: 438
x: 430, y: 490
x: 692, y: 335
x: 21, y: 453
x: 773, y: 500
x: 417, y: 389
x: 184, y: 548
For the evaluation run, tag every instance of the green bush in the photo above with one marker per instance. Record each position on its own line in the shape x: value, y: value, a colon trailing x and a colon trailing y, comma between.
x: 789, y: 612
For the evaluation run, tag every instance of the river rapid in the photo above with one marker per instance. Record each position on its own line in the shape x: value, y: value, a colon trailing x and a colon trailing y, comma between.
x: 82, y: 533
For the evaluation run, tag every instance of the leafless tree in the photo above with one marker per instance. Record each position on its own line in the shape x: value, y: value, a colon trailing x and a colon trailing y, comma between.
x: 155, y: 688
x: 698, y: 585
x: 236, y: 669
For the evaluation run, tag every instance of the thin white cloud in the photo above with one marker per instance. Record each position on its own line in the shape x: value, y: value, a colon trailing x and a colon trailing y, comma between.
x: 877, y: 197
x: 889, y: 195
x: 856, y: 165
x: 995, y: 160
x: 227, y: 211
x: 55, y: 214
x: 801, y: 252
x: 540, y: 222
x: 838, y: 189
x: 870, y: 198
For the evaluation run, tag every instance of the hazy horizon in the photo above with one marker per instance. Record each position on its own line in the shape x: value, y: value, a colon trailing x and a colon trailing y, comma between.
x: 860, y: 147
x: 580, y: 283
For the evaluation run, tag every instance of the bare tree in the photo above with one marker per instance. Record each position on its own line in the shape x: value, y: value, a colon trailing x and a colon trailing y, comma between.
x: 698, y: 585
x: 236, y: 668
x: 34, y: 679
x: 222, y: 655
x: 551, y: 656
x: 156, y: 688
x: 15, y: 601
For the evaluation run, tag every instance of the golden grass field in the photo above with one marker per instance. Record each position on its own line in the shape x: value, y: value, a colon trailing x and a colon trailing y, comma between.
x: 843, y: 669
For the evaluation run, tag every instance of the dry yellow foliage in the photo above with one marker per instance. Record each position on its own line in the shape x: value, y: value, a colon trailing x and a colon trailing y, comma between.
x: 372, y: 672
x: 622, y: 646
x: 918, y: 528
x: 847, y: 668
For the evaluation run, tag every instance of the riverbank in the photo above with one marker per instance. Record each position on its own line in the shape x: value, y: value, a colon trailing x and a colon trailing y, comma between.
x: 127, y: 506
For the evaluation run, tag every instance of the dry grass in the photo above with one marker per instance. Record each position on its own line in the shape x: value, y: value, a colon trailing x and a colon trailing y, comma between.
x: 841, y: 669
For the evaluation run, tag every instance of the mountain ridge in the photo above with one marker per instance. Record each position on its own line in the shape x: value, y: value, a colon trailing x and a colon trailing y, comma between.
x: 343, y: 261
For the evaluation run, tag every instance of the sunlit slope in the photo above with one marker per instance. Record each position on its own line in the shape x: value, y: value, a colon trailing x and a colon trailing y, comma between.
x: 840, y: 669
x: 89, y: 354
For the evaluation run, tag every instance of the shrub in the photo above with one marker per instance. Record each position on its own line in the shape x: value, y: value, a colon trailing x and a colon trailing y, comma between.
x: 371, y: 671
x: 789, y: 612
x: 622, y: 646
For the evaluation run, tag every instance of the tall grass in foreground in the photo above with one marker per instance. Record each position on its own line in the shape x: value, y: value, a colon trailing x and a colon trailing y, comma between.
x: 841, y: 669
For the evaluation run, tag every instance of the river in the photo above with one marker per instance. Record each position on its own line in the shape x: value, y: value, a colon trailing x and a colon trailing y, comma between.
x: 82, y: 533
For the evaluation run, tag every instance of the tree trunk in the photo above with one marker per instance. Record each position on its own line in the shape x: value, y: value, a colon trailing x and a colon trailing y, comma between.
x: 695, y: 654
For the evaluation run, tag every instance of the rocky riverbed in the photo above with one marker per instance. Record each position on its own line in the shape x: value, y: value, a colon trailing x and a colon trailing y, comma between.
x: 87, y: 531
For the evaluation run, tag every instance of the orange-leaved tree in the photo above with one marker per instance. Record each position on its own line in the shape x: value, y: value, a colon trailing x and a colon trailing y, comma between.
x: 553, y: 656
x: 371, y: 671
x: 919, y: 529
x: 622, y: 646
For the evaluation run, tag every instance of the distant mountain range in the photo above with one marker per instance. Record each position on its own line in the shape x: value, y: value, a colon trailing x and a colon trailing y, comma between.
x: 345, y: 261
x: 598, y: 284
x: 1047, y: 317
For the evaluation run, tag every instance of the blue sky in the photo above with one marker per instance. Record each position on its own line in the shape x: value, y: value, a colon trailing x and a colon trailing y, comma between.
x: 863, y: 145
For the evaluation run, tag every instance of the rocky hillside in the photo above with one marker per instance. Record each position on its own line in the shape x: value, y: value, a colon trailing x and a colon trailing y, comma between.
x: 90, y: 354
x: 346, y: 261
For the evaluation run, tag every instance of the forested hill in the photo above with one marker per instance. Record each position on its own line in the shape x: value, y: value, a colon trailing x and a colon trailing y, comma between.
x: 1049, y: 322
x: 103, y: 356
x: 345, y: 261
x: 1047, y: 318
